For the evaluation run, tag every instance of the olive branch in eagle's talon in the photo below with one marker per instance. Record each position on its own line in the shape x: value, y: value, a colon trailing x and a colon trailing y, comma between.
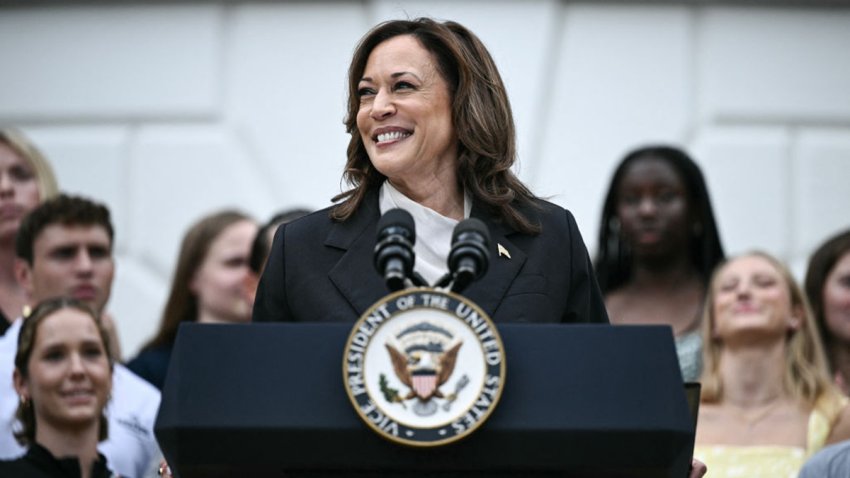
x: 390, y: 394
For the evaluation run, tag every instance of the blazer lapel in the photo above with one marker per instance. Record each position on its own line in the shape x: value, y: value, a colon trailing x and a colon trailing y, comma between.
x: 354, y: 275
x: 505, y: 264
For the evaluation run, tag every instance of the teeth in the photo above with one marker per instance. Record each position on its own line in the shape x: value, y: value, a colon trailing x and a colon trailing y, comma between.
x: 392, y: 136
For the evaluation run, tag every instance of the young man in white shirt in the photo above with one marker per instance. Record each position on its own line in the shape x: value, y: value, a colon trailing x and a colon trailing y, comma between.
x: 64, y: 248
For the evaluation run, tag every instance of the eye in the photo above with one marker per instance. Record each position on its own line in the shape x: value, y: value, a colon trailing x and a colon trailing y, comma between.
x: 764, y: 281
x: 64, y: 253
x: 236, y: 262
x: 93, y: 352
x: 629, y: 199
x: 403, y: 85
x: 54, y: 355
x: 728, y: 286
x: 365, y: 91
x: 98, y: 252
x: 21, y: 174
x: 667, y: 196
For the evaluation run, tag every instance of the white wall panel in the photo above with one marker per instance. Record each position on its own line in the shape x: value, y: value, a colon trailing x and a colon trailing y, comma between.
x: 286, y: 75
x: 822, y: 166
x: 749, y: 186
x: 85, y: 62
x: 777, y: 64
x: 621, y: 81
x: 181, y: 174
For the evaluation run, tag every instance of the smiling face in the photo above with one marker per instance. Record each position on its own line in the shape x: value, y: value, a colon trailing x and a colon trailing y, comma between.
x: 836, y: 299
x: 69, y: 376
x: 18, y: 191
x: 653, y: 208
x: 219, y: 283
x: 751, y: 297
x: 405, y: 115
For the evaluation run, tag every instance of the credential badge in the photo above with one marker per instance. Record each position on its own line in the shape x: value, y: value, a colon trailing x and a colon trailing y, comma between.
x: 424, y: 367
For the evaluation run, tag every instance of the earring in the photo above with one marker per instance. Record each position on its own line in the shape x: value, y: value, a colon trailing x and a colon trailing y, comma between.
x: 26, y: 311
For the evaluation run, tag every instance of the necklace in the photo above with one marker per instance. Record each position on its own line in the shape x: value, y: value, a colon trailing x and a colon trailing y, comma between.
x: 750, y: 420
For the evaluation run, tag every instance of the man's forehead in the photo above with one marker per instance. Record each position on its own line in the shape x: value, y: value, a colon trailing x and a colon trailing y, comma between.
x: 71, y: 234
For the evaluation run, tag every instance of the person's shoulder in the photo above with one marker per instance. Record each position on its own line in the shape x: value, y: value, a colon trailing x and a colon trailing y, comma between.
x: 831, y: 461
x: 20, y: 468
x: 549, y: 215
x: 129, y: 386
x: 310, y: 224
x: 9, y: 345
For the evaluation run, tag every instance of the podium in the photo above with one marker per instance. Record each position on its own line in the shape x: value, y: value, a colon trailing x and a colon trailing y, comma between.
x: 579, y: 400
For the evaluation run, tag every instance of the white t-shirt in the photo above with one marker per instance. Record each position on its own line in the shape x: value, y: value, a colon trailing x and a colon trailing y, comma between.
x: 433, y: 231
x: 131, y: 447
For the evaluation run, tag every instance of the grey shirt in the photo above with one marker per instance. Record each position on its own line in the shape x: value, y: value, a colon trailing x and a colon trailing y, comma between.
x: 831, y: 462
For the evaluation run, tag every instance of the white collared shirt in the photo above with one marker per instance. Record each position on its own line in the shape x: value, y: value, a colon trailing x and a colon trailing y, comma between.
x: 433, y: 231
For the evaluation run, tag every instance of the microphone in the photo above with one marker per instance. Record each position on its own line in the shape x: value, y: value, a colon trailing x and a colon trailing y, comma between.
x: 394, y: 256
x: 469, y: 257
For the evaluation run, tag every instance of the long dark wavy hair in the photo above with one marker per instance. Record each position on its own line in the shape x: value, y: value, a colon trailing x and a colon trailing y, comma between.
x: 481, y: 114
x: 614, y: 259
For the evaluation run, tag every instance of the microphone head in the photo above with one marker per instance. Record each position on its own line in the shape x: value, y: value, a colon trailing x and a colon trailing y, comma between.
x: 472, y: 225
x: 394, y: 256
x: 469, y: 257
x: 397, y: 221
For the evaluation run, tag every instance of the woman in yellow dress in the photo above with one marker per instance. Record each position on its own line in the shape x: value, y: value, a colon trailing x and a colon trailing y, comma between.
x: 767, y: 400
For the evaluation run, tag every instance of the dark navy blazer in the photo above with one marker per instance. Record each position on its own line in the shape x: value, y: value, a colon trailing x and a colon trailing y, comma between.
x: 320, y: 270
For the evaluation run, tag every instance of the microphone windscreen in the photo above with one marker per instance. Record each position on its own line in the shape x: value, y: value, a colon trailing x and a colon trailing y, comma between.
x: 398, y: 218
x: 471, y: 225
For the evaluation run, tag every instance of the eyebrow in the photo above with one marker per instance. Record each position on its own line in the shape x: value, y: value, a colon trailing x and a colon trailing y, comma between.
x: 394, y: 75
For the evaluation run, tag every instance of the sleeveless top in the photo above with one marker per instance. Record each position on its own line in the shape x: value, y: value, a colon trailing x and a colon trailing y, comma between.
x: 689, y: 351
x: 733, y: 461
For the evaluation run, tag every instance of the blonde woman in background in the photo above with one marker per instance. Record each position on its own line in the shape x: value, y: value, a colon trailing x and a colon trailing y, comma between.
x: 767, y: 400
x: 26, y: 180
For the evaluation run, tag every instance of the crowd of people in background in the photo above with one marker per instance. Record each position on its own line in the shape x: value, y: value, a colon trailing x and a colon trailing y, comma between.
x: 773, y: 357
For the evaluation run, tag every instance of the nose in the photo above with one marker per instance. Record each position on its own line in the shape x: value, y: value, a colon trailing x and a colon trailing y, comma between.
x: 743, y: 290
x: 647, y: 206
x: 6, y: 188
x: 76, y: 367
x: 83, y: 261
x: 382, y: 106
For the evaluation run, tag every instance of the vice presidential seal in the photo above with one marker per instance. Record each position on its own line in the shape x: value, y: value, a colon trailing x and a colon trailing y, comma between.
x: 424, y: 367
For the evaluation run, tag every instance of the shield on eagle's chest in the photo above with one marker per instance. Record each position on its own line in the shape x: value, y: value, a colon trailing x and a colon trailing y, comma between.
x: 424, y: 383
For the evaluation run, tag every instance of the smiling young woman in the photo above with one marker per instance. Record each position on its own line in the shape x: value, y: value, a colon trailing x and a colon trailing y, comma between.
x: 63, y: 377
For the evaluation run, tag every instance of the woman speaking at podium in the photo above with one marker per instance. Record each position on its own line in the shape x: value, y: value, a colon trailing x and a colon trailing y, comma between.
x: 432, y: 133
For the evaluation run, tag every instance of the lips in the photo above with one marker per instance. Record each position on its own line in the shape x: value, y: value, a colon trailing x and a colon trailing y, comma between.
x: 78, y: 396
x: 390, y: 134
x: 10, y: 210
x: 84, y: 292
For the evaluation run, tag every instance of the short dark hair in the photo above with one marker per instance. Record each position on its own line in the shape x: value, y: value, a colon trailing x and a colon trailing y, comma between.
x: 614, y: 260
x: 821, y: 263
x: 65, y: 210
x: 262, y: 245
